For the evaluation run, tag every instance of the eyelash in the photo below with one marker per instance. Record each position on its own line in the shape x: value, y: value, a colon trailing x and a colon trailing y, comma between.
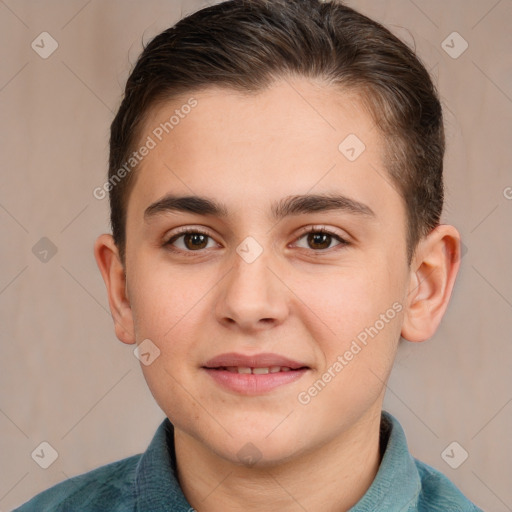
x: 304, y: 232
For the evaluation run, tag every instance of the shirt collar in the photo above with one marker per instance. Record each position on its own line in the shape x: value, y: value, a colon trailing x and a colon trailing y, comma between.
x: 396, y: 486
x: 156, y: 483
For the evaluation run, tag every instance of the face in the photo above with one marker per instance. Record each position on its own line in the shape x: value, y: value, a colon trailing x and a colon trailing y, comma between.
x: 308, y: 292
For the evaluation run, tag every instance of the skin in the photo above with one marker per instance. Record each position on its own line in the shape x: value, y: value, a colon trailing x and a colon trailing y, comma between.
x: 296, y: 300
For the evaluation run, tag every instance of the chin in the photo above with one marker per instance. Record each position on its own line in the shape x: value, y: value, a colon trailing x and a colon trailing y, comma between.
x: 259, y: 455
x: 260, y: 446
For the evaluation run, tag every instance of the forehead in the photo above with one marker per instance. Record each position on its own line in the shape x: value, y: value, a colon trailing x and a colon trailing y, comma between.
x: 297, y: 136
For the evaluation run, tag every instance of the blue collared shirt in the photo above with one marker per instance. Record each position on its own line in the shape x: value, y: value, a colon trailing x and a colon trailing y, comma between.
x: 148, y: 483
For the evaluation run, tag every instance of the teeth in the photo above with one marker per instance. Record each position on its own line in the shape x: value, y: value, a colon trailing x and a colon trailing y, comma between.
x: 257, y: 371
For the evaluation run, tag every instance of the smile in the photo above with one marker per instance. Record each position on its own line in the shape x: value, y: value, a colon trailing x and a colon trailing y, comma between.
x: 253, y: 374
x: 257, y: 371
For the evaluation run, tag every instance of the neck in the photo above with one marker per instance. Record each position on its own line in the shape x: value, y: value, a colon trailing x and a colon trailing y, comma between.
x: 331, y: 478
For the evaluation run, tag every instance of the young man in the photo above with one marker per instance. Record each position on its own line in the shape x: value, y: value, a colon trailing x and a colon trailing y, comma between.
x: 276, y: 190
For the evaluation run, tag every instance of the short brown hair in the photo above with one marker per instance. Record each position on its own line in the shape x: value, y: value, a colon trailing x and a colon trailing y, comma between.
x: 247, y: 45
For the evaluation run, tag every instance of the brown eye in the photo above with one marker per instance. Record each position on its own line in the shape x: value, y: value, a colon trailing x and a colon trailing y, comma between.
x: 195, y: 241
x: 319, y: 239
x: 190, y: 241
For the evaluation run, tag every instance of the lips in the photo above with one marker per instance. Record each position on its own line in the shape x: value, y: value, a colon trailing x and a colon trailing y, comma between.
x: 257, y: 361
x: 254, y: 375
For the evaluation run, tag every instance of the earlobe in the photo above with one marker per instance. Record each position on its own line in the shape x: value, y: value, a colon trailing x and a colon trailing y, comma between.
x: 433, y: 272
x: 113, y: 273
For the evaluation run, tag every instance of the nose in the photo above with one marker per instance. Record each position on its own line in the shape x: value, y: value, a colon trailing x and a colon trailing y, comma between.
x: 252, y: 296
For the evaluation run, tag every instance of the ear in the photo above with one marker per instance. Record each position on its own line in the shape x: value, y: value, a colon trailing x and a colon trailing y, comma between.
x: 112, y: 270
x: 433, y: 271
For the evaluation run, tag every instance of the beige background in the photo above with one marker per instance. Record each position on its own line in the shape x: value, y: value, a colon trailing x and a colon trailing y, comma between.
x: 65, y: 378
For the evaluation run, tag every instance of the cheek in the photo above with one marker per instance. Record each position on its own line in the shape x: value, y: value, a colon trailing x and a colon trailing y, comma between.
x: 181, y: 405
x: 357, y: 365
x: 164, y: 312
x: 346, y: 300
x: 360, y: 322
x: 163, y: 298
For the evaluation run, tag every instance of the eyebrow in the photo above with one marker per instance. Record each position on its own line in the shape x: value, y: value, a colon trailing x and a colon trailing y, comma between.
x: 289, y: 206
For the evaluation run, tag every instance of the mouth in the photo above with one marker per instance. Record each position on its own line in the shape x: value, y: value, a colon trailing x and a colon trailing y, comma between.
x: 254, y: 375
x: 256, y: 371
